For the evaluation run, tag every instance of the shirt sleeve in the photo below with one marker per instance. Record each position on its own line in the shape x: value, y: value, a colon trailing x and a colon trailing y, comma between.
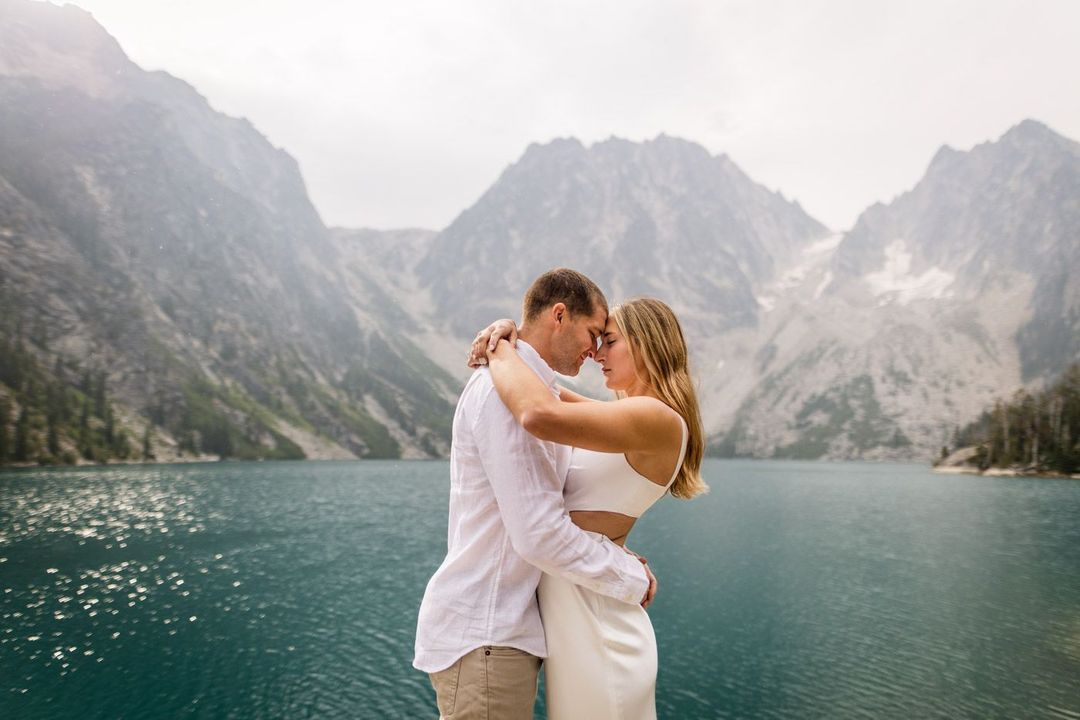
x: 524, y: 477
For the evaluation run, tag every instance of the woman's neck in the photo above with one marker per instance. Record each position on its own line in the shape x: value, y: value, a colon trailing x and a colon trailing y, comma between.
x: 641, y: 390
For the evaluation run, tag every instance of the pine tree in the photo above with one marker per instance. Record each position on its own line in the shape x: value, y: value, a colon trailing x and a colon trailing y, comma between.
x: 53, y: 393
x: 84, y: 429
x: 40, y: 333
x: 5, y: 438
x: 110, y: 428
x: 147, y: 444
x: 7, y: 362
x: 22, y: 437
x: 120, y: 447
x: 18, y: 364
x: 53, y: 438
x: 100, y: 403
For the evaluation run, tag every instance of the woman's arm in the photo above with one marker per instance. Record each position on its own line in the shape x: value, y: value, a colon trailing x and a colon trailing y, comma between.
x: 641, y: 424
x: 568, y: 395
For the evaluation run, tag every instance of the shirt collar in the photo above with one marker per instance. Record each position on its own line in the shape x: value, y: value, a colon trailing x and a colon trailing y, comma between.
x: 538, y: 364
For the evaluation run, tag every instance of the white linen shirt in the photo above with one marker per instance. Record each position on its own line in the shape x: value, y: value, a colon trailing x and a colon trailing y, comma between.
x: 507, y: 525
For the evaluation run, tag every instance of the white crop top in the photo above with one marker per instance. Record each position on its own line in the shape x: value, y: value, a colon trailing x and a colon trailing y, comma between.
x: 607, y: 482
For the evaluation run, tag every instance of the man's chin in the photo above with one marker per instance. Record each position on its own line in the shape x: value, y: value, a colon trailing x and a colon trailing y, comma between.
x: 570, y: 369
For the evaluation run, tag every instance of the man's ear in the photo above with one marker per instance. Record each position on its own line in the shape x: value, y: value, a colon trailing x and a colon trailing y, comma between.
x: 558, y: 313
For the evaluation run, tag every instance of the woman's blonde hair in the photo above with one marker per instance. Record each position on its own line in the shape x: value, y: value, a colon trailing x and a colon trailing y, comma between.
x: 654, y: 335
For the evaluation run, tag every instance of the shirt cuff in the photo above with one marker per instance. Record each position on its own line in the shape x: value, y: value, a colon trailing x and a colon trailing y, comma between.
x: 636, y: 589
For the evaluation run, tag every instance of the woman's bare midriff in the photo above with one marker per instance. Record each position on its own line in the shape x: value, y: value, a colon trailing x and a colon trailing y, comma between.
x: 615, y: 525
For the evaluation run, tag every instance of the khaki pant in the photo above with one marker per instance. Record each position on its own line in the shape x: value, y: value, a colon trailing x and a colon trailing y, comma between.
x: 489, y: 683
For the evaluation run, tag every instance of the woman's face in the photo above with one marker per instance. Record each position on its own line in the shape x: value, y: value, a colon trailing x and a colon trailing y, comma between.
x: 614, y: 358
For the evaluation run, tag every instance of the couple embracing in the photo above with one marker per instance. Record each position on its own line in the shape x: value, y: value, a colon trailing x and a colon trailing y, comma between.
x: 545, y: 486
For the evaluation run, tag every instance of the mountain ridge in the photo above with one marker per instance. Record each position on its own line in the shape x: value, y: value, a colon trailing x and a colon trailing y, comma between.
x: 154, y: 246
x: 225, y: 333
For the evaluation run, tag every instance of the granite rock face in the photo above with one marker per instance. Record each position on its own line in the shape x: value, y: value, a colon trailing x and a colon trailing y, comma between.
x: 930, y: 308
x: 662, y: 218
x: 176, y: 249
x: 981, y: 219
x: 875, y: 343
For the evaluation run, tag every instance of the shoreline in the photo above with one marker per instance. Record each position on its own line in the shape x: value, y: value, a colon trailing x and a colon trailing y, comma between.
x: 942, y: 469
x: 1003, y: 472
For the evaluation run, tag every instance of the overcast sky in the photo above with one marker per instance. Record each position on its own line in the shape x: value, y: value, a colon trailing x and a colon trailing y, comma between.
x: 401, y: 113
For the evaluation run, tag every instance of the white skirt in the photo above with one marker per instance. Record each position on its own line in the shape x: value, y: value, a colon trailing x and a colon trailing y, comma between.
x: 601, y: 662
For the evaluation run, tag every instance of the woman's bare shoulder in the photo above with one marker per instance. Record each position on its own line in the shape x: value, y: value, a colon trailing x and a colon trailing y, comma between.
x: 655, y: 409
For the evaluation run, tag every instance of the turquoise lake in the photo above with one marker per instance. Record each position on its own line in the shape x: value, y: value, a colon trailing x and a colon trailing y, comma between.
x: 290, y: 590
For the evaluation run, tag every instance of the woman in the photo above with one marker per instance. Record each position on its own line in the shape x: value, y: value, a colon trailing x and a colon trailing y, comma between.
x: 627, y: 454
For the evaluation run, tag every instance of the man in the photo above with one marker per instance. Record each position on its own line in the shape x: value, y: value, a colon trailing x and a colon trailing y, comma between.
x: 479, y: 634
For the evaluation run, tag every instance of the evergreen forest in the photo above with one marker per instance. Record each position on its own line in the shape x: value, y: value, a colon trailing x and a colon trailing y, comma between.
x: 1034, y: 432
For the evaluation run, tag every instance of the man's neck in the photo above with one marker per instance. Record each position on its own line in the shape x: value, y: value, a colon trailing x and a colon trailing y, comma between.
x: 537, y: 341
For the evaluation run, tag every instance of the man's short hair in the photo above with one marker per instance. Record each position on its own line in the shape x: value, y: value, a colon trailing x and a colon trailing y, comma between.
x: 571, y: 288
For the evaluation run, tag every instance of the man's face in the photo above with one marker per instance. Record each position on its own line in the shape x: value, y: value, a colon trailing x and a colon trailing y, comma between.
x: 576, y: 340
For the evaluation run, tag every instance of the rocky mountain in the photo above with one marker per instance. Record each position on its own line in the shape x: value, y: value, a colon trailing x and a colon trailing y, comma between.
x: 174, y: 251
x: 662, y: 218
x: 976, y: 222
x: 930, y: 308
x: 163, y: 275
x: 875, y: 343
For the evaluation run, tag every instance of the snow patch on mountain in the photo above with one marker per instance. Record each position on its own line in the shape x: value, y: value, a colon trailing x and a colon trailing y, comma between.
x: 809, y: 266
x: 823, y: 284
x: 765, y: 302
x: 896, y: 282
x: 824, y: 245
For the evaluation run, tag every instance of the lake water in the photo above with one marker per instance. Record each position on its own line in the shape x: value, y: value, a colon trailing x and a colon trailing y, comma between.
x: 290, y: 590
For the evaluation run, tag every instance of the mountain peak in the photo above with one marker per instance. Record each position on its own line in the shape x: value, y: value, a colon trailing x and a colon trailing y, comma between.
x: 659, y: 210
x: 679, y: 147
x: 555, y: 146
x: 665, y: 140
x: 1030, y: 128
x: 61, y: 46
x: 1027, y: 136
x: 663, y: 145
x: 1031, y: 135
x: 943, y: 157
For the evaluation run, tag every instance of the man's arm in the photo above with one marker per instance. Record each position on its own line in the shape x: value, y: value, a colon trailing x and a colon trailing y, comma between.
x: 528, y: 490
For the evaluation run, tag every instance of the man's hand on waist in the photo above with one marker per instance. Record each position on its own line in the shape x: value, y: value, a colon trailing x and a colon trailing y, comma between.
x: 650, y: 593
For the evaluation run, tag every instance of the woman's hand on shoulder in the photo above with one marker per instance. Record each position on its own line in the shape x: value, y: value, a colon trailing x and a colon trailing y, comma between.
x: 487, y: 340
